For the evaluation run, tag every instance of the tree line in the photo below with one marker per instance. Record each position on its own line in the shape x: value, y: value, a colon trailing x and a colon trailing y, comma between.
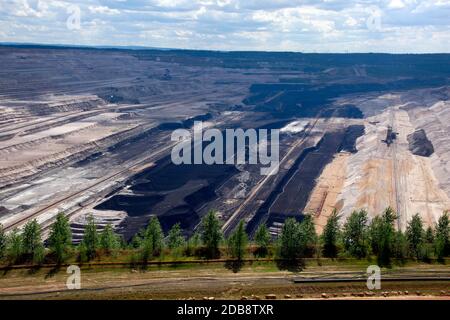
x: 356, y: 237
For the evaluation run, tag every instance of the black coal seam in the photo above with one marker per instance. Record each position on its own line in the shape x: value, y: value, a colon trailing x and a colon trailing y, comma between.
x: 263, y: 211
x: 161, y: 163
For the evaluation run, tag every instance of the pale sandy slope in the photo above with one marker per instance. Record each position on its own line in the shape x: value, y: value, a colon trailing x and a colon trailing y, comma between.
x: 378, y: 176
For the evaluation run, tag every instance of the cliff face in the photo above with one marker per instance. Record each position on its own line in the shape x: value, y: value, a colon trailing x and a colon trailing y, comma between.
x: 411, y: 174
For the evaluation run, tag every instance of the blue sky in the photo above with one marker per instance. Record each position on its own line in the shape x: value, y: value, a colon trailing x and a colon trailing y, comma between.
x: 287, y: 25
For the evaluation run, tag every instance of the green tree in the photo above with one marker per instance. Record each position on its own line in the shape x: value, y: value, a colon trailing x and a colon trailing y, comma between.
x: 429, y: 235
x: 290, y: 246
x: 154, y: 236
x: 262, y: 240
x: 193, y: 244
x: 400, y: 246
x: 175, y: 238
x: 196, y: 240
x: 375, y: 230
x: 330, y: 236
x: 211, y: 234
x: 83, y: 252
x: 382, y: 236
x: 14, y: 246
x: 355, y: 234
x: 237, y: 242
x: 138, y: 238
x: 2, y: 242
x: 152, y: 241
x: 123, y: 244
x: 109, y: 241
x: 415, y: 235
x: 60, y: 238
x: 308, y: 235
x: 442, y: 239
x: 33, y: 247
x: 90, y: 239
x: 428, y: 247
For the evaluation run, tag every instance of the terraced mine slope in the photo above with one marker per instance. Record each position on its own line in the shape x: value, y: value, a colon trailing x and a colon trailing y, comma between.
x: 88, y: 131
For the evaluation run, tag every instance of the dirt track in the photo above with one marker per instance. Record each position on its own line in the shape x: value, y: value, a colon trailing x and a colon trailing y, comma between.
x: 251, y: 282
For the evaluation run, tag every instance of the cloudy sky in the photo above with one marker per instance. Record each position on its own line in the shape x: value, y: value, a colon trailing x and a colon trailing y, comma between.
x: 288, y: 25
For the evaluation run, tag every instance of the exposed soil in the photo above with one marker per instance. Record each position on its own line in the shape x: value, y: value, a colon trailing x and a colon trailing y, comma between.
x: 323, y: 198
x: 187, y: 282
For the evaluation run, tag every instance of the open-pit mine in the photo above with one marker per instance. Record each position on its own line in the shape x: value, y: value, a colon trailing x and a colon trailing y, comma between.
x: 88, y: 131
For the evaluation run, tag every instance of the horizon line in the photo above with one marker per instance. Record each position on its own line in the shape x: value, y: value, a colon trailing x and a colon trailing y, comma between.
x: 138, y: 47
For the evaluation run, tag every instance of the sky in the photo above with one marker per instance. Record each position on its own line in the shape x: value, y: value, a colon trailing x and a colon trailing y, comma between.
x: 396, y: 26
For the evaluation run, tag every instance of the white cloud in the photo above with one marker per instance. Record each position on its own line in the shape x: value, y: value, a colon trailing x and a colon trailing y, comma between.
x: 396, y: 4
x: 351, y: 22
x: 307, y: 25
x: 103, y: 10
